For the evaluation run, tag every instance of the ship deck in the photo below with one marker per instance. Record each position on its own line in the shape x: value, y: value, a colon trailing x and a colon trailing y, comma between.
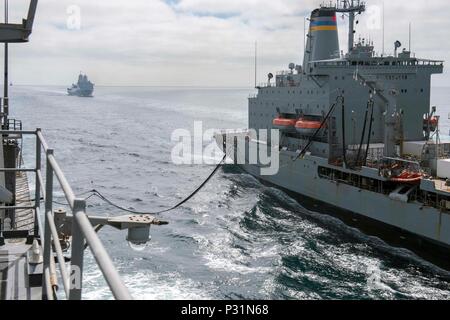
x: 16, y: 283
x: 441, y: 186
x: 24, y: 218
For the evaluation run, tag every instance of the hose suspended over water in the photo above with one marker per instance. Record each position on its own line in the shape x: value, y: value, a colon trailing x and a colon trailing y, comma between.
x: 99, y: 195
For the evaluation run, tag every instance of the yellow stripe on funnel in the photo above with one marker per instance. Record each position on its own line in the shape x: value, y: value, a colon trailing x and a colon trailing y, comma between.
x: 324, y: 28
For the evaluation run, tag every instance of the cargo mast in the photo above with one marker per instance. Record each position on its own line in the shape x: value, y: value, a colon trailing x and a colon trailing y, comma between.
x: 353, y: 8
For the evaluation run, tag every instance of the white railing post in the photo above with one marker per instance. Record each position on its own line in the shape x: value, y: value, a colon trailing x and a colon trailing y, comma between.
x: 37, y: 188
x: 76, y: 266
x: 47, y: 233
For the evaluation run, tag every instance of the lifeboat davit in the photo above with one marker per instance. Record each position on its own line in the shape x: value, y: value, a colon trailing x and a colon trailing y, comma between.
x: 408, y: 177
x: 284, y: 124
x: 307, y: 127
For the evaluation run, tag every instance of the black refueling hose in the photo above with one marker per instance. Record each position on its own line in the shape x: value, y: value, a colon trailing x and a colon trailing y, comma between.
x: 370, y: 131
x: 363, y: 135
x: 99, y: 195
x: 197, y: 190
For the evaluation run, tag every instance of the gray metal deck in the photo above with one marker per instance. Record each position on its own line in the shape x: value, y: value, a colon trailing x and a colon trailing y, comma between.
x: 24, y: 219
x: 14, y: 268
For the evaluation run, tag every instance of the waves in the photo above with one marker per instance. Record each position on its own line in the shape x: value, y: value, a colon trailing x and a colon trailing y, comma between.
x: 237, y: 239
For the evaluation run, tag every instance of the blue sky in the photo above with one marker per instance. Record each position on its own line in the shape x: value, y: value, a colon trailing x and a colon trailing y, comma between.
x: 198, y: 42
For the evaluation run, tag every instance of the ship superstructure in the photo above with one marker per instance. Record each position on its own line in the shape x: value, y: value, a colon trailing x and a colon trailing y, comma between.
x: 83, y: 87
x: 357, y: 132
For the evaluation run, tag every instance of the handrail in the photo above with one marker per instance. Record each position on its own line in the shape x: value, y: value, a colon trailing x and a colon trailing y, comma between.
x: 82, y: 230
x: 41, y: 140
x: 59, y: 254
x: 118, y: 288
x: 67, y: 189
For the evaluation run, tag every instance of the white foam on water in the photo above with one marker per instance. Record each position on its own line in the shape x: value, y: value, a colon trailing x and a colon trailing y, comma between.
x: 220, y: 255
x: 146, y: 285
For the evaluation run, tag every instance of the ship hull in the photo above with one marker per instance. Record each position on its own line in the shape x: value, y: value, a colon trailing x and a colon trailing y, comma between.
x: 424, y: 230
x: 436, y: 252
x: 80, y: 92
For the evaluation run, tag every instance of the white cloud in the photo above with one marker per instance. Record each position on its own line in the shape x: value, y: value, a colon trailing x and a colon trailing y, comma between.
x: 196, y: 42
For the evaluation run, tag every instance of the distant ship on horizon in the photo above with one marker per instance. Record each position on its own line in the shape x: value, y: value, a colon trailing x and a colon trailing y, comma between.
x: 83, y: 88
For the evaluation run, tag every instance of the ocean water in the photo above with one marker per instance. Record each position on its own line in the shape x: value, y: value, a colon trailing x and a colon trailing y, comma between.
x: 237, y: 239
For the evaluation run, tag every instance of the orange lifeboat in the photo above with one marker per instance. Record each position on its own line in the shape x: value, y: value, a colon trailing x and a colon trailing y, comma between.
x: 307, y: 127
x: 408, y: 177
x: 284, y: 124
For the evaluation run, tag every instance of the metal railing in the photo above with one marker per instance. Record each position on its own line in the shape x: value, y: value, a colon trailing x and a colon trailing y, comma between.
x: 83, y: 232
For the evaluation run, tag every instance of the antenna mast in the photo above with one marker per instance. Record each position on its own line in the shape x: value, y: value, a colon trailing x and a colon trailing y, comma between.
x: 5, y: 93
x: 410, y: 37
x: 256, y: 62
x: 353, y: 8
x: 383, y: 28
x: 304, y: 37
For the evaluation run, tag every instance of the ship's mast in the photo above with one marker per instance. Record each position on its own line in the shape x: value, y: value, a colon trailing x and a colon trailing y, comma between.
x: 352, y: 7
x: 5, y: 93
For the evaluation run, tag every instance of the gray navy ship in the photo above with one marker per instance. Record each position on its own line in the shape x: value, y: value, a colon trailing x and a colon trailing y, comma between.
x: 358, y: 137
x: 83, y: 88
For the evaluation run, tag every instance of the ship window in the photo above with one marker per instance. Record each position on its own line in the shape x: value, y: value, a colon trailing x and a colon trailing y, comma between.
x: 421, y: 90
x: 335, y: 78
